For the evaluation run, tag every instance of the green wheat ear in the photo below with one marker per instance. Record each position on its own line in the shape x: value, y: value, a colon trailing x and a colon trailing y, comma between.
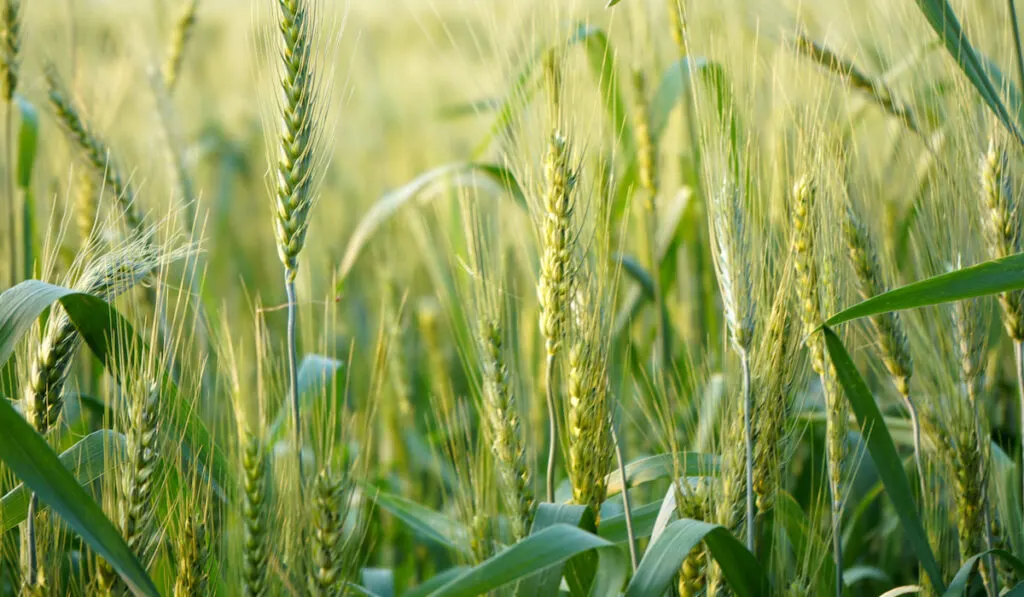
x: 255, y: 515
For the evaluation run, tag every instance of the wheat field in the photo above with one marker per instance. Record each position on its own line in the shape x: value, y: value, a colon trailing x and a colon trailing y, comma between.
x: 462, y: 297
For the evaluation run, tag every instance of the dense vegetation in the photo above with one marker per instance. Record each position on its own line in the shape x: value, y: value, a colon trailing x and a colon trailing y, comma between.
x: 462, y: 297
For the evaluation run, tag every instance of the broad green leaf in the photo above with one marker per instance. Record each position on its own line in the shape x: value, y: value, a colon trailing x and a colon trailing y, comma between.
x: 379, y: 581
x: 664, y: 558
x: 651, y: 468
x: 883, y: 454
x: 990, y: 277
x: 86, y: 460
x: 551, y: 546
x: 428, y: 523
x: 808, y: 544
x: 109, y: 336
x: 613, y: 528
x: 25, y: 452
x: 388, y: 205
x: 435, y: 582
x: 548, y: 515
x: 315, y: 374
x: 943, y: 19
x: 958, y: 586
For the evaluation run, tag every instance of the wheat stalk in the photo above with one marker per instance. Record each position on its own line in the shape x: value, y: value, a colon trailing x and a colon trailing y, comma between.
x: 1002, y: 235
x: 504, y: 428
x: 299, y: 141
x: 810, y: 299
x: 887, y: 327
x: 96, y: 152
x: 255, y: 506
x: 179, y: 39
x: 556, y: 240
x: 590, y: 448
x: 193, y: 558
x: 729, y: 251
x: 10, y: 49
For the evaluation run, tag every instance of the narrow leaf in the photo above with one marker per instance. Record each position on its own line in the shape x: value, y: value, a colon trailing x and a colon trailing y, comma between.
x: 32, y: 461
x: 425, y: 522
x: 960, y: 582
x: 664, y: 558
x: 990, y: 277
x: 883, y: 454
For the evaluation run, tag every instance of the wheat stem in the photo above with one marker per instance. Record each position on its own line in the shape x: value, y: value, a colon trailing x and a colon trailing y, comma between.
x: 748, y: 440
x: 627, y: 509
x: 293, y: 380
x: 549, y: 383
x: 1015, y: 26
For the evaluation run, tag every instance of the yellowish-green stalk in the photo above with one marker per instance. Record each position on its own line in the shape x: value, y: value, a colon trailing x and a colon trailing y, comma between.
x: 255, y: 515
x: 179, y: 39
x: 730, y: 251
x: 809, y: 294
x: 193, y: 558
x: 888, y: 329
x: 556, y: 254
x: 972, y: 483
x: 96, y: 153
x: 502, y: 414
x: 298, y: 146
x: 1002, y: 235
x: 588, y: 412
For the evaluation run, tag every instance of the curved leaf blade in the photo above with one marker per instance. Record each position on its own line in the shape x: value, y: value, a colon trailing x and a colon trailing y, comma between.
x: 86, y: 460
x: 990, y: 277
x: 388, y: 205
x: 664, y: 558
x: 958, y: 586
x: 883, y: 454
x: 551, y: 546
x: 651, y: 468
x: 32, y: 461
x: 430, y: 524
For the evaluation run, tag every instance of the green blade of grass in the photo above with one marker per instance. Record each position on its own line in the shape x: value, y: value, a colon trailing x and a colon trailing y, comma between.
x: 32, y: 461
x: 86, y: 460
x: 388, y: 205
x: 651, y: 468
x: 943, y: 20
x: 958, y: 586
x: 436, y: 582
x: 601, y: 58
x: 990, y: 277
x: 551, y: 546
x: 665, y: 557
x: 548, y: 515
x: 613, y: 528
x: 427, y: 523
x: 884, y: 455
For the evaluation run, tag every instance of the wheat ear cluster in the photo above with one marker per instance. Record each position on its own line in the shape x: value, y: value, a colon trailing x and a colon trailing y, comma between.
x: 588, y: 412
x: 505, y: 429
x: 97, y: 154
x: 809, y: 294
x: 645, y: 152
x: 729, y: 250
x: 11, y: 57
x: 1002, y: 228
x: 299, y: 132
x: 556, y: 252
x: 887, y: 328
x: 728, y: 501
x: 255, y: 507
x: 193, y: 558
x: 105, y: 277
x: 180, y: 37
x: 693, y: 573
x: 773, y: 370
x: 327, y: 538
x: 677, y: 25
